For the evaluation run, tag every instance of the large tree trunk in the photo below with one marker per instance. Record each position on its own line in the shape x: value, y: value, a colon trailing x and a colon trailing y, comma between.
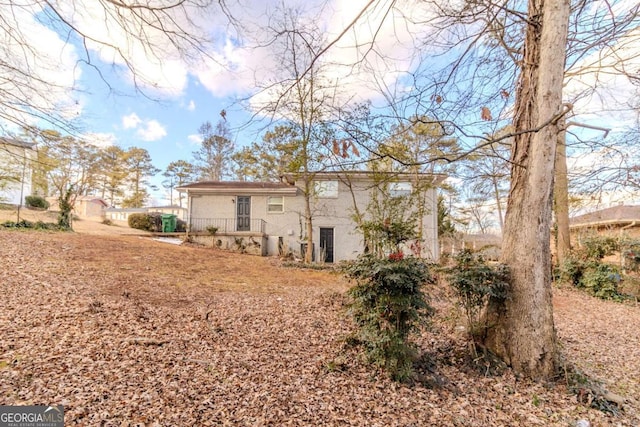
x: 496, y: 194
x: 561, y: 198
x: 521, y: 327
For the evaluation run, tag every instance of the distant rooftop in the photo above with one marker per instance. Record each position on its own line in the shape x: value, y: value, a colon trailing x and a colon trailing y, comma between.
x: 613, y: 215
x: 236, y: 185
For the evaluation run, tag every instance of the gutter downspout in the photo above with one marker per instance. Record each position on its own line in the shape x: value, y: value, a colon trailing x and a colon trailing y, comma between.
x: 632, y: 224
x: 189, y: 217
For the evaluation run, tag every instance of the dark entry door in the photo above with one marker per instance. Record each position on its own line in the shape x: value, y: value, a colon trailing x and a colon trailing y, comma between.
x: 326, y: 243
x: 243, y: 204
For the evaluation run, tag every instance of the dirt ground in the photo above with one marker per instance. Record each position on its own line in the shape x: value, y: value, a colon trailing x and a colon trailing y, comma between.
x: 124, y: 330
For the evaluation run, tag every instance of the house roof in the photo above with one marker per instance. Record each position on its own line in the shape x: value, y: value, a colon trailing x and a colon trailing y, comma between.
x: 616, y: 215
x: 238, y: 187
x: 167, y: 207
x: 17, y: 143
x: 130, y: 210
x: 433, y: 178
x: 250, y: 187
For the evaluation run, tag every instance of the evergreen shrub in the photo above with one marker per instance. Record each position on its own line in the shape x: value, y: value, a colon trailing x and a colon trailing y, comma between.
x: 388, y: 304
x: 36, y: 202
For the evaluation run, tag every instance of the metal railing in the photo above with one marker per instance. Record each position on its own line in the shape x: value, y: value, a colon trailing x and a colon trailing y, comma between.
x: 225, y: 225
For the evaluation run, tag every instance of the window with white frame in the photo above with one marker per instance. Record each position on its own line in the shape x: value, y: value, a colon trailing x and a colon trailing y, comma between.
x: 275, y: 204
x: 326, y: 189
x: 400, y: 189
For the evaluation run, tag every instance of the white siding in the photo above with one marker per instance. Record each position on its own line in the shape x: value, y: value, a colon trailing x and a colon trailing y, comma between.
x: 16, y: 162
x: 336, y: 213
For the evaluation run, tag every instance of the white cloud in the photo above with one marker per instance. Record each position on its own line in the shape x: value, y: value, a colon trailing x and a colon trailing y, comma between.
x: 231, y: 69
x: 51, y: 74
x: 195, y: 139
x: 151, y: 130
x: 160, y: 65
x: 357, y: 72
x: 131, y: 121
x: 146, y: 129
x: 101, y: 140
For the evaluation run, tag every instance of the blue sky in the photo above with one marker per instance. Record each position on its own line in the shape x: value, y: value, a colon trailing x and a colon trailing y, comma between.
x: 185, y: 94
x: 166, y: 128
x: 174, y: 96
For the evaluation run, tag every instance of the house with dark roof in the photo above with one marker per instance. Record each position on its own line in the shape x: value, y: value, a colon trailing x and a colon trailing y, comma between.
x: 268, y: 218
x: 16, y: 158
x: 621, y: 218
x: 616, y: 216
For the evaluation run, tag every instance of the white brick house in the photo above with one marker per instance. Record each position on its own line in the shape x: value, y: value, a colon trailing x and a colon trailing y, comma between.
x: 268, y: 217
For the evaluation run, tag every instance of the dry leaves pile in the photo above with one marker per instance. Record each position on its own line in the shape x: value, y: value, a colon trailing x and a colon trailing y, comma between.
x: 129, y: 331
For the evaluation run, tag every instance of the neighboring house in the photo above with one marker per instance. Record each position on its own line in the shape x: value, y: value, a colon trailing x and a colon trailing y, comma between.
x: 84, y: 206
x: 89, y: 207
x: 617, y: 219
x: 122, y: 214
x: 267, y: 218
x: 15, y: 170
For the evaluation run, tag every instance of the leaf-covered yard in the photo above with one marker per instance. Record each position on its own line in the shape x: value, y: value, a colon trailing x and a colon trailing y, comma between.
x: 129, y: 331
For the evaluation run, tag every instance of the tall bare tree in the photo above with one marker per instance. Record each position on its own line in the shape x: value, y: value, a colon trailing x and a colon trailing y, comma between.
x: 301, y: 99
x: 486, y: 174
x: 212, y: 160
x: 177, y: 173
x: 139, y: 169
x: 523, y: 333
x: 113, y: 173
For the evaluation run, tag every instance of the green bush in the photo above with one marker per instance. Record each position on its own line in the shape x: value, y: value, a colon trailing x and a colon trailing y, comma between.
x: 36, y: 202
x: 601, y: 280
x: 476, y: 283
x: 388, y: 304
x: 65, y: 204
x: 38, y: 225
x: 570, y: 271
x: 630, y: 250
x: 140, y: 221
x: 597, y: 278
x: 19, y: 224
x: 597, y: 247
x: 155, y: 218
x: 146, y: 221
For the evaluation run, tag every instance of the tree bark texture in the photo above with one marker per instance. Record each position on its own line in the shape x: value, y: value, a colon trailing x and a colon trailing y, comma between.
x: 521, y: 329
x: 561, y: 197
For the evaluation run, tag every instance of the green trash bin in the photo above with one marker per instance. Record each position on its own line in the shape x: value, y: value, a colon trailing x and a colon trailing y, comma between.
x: 169, y: 222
